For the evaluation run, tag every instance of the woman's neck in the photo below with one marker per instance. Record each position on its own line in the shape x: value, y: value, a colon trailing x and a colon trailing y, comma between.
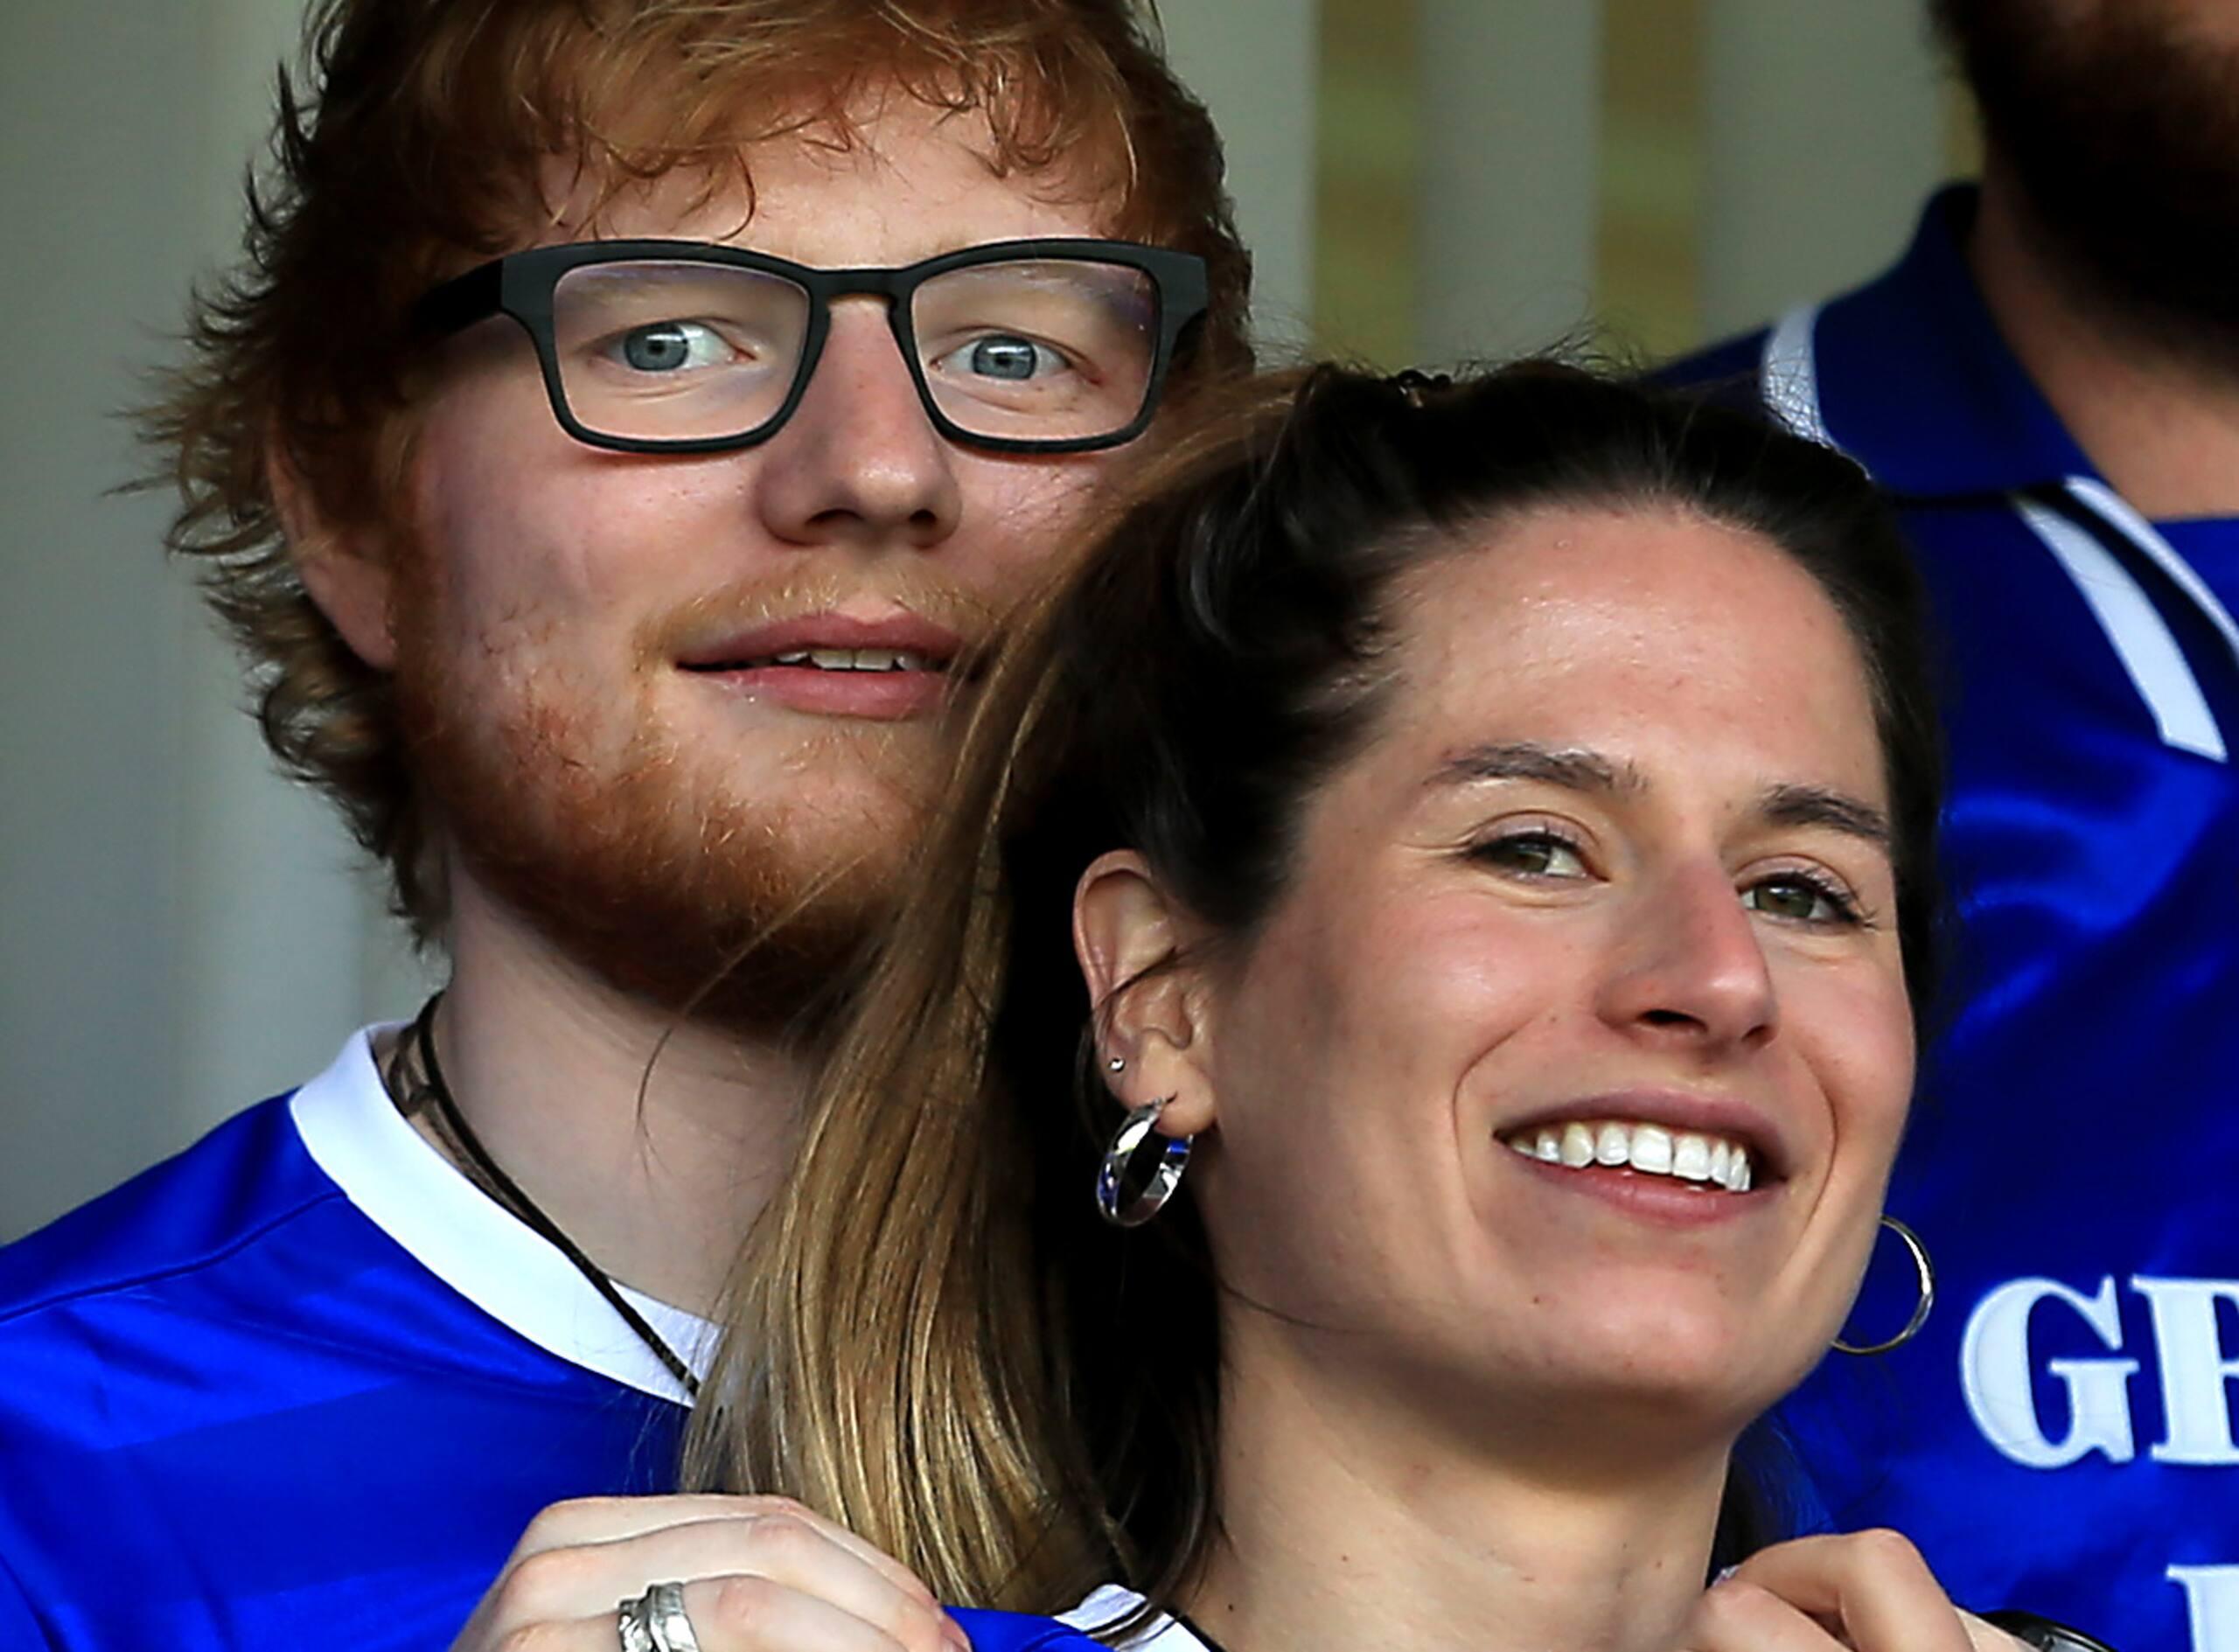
x: 1348, y: 1523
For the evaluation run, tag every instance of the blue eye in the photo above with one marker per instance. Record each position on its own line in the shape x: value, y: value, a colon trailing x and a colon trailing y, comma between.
x: 670, y: 346
x: 1007, y: 357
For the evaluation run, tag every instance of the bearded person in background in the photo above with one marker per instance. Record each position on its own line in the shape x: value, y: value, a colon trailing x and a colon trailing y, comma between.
x: 620, y: 447
x: 2049, y: 380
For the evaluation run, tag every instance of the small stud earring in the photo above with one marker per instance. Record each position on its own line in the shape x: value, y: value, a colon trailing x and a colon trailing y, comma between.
x: 1117, y: 1064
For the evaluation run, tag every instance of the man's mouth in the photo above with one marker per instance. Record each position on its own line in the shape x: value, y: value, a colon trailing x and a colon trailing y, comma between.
x: 893, y: 668
x: 872, y: 659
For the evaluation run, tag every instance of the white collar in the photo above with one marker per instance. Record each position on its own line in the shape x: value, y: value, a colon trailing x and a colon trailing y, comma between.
x: 353, y: 1132
x: 1109, y: 1603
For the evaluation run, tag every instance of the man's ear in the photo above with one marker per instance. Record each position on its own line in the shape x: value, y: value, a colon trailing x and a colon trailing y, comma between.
x: 1152, y: 1010
x: 347, y: 575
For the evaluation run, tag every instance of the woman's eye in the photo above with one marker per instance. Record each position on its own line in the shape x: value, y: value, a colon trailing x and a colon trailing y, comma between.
x: 1006, y: 357
x: 672, y: 346
x: 1799, y: 898
x: 1539, y: 854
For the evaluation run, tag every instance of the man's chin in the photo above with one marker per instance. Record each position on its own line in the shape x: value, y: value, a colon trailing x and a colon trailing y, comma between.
x: 760, y: 943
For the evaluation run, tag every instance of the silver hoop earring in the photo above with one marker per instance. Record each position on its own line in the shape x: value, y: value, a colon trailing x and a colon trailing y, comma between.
x: 1926, y: 1271
x: 1166, y: 1176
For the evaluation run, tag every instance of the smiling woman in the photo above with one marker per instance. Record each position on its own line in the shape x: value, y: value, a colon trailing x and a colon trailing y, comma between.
x: 1493, y: 822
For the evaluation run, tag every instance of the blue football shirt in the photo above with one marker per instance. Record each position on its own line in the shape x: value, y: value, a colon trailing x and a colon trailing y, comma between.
x: 2061, y: 1437
x: 303, y: 1379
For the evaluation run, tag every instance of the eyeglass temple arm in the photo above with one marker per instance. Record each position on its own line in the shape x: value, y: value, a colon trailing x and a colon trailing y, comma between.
x: 460, y: 303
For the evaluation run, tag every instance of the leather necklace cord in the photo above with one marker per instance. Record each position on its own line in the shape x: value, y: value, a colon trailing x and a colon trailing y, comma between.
x: 1191, y: 1624
x: 510, y: 1195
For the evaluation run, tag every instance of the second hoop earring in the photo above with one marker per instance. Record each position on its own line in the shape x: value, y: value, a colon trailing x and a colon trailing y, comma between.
x: 1925, y: 1269
x: 1166, y: 1176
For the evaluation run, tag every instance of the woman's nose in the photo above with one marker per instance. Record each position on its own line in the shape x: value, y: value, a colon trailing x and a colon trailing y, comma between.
x: 1691, y: 970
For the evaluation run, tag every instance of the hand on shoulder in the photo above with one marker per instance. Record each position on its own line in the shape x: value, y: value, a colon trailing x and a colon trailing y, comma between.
x: 1865, y: 1590
x: 760, y: 1575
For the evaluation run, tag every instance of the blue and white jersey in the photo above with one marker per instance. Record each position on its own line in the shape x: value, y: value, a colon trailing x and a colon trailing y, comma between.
x: 1113, y: 1604
x: 2061, y: 1437
x: 302, y: 1385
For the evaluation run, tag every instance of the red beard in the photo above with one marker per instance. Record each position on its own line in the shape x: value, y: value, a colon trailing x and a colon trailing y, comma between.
x: 674, y: 887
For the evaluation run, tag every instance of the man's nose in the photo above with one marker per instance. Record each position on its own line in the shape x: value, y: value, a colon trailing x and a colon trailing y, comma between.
x: 1690, y: 973
x: 859, y: 462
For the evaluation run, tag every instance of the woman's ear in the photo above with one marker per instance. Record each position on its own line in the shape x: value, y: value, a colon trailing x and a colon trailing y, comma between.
x: 1152, y: 1007
x: 348, y: 575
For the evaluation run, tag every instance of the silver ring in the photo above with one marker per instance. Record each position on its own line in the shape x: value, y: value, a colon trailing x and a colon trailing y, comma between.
x: 665, y: 1617
x: 630, y: 1625
x: 655, y: 1621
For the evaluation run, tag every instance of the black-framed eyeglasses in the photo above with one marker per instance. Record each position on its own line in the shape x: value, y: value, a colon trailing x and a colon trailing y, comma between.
x: 682, y: 346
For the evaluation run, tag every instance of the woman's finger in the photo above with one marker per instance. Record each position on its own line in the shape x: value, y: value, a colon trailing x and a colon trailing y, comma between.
x: 744, y: 1615
x: 1871, y: 1589
x: 1988, y: 1637
x: 778, y: 1548
x: 1736, y: 1615
x: 758, y: 1614
x: 586, y: 1519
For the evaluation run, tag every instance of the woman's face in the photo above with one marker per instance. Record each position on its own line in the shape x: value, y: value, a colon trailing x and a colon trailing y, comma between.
x: 1611, y: 881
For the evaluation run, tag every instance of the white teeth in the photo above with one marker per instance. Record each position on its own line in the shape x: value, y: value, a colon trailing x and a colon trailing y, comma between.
x: 855, y: 660
x: 838, y: 659
x: 1652, y: 1150
x: 1649, y: 1149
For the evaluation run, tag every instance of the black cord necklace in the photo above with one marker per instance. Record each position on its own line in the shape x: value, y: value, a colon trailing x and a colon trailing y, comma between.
x: 1191, y: 1624
x: 510, y: 1194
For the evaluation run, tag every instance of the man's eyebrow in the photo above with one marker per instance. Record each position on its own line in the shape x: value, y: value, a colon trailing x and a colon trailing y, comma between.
x: 1575, y: 768
x: 1818, y: 807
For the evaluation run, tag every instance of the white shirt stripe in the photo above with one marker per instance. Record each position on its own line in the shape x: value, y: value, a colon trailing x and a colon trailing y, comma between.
x: 1789, y: 375
x: 1788, y: 380
x: 2118, y: 513
x: 1108, y: 1605
x: 2135, y: 631
x: 412, y: 1193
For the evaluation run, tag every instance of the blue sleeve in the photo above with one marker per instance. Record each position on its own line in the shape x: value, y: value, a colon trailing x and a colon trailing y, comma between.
x: 19, y: 1630
x: 1012, y: 1632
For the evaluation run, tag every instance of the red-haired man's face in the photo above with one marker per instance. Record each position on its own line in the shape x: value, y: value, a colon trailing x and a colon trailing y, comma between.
x: 585, y: 639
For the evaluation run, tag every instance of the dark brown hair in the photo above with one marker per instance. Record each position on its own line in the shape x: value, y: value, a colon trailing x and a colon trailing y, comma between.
x: 419, y: 141
x: 937, y: 1340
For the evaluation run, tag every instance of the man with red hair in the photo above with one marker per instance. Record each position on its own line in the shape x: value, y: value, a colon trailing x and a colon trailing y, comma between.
x: 615, y: 457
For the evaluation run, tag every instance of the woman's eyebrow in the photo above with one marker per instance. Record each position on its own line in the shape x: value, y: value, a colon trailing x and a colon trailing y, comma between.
x: 1580, y: 769
x: 1576, y: 768
x: 1818, y: 807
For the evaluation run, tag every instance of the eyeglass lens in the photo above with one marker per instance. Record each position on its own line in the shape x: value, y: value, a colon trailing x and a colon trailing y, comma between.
x: 1051, y: 349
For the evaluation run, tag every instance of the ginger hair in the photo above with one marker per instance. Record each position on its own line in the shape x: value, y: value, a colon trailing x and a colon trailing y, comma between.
x: 419, y: 138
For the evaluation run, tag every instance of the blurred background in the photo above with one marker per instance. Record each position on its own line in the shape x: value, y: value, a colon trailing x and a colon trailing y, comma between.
x: 182, y: 933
